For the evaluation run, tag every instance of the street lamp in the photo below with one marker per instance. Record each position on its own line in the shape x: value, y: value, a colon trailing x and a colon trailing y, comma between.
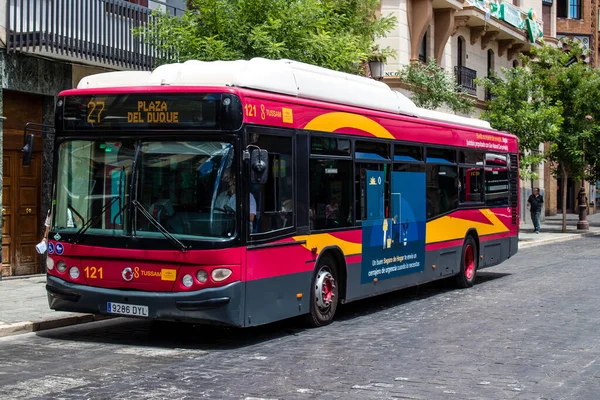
x: 583, y: 224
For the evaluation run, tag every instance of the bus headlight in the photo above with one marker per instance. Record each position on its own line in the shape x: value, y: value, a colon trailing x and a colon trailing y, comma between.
x: 220, y: 274
x: 74, y: 272
x: 202, y: 276
x: 61, y: 266
x: 187, y: 280
x: 49, y: 263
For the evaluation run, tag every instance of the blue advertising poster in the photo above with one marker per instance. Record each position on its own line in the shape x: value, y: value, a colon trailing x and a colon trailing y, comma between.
x: 395, y: 245
x: 375, y: 185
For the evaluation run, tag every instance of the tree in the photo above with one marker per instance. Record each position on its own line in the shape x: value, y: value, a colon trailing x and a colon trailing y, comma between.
x: 551, y: 99
x: 433, y: 87
x: 519, y: 106
x: 336, y: 34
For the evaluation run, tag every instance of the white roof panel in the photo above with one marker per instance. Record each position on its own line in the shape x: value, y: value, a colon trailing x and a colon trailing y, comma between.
x: 286, y: 77
x: 452, y: 118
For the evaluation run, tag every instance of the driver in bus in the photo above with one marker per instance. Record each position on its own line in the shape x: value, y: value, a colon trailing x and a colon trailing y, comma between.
x: 162, y: 207
x: 226, y: 199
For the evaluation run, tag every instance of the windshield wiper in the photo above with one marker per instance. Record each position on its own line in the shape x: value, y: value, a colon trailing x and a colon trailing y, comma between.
x: 172, y: 239
x: 93, y: 221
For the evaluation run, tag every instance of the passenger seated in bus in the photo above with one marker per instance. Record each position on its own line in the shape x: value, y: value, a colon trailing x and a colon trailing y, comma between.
x: 225, y: 201
x: 332, y: 214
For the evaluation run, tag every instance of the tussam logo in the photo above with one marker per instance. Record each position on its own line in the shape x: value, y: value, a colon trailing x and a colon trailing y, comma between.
x: 127, y: 274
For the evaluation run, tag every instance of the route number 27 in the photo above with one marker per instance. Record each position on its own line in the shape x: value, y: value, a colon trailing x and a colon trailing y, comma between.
x: 95, y: 109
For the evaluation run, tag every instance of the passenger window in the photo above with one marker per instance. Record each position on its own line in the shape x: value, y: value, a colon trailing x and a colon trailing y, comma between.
x: 271, y: 204
x: 470, y: 157
x: 361, y: 188
x: 441, y: 156
x: 330, y: 194
x: 405, y: 153
x: 470, y: 185
x: 372, y: 150
x: 442, y: 189
x: 496, y: 180
x: 329, y: 146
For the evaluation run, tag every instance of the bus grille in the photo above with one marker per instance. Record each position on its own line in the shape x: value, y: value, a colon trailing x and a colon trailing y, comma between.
x: 514, y: 187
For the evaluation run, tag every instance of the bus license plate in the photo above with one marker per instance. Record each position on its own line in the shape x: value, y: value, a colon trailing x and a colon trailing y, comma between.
x: 127, y: 309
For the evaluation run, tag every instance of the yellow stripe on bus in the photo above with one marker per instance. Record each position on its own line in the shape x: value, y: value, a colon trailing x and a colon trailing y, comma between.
x: 333, y: 121
x: 451, y: 228
x: 322, y: 240
x: 440, y: 230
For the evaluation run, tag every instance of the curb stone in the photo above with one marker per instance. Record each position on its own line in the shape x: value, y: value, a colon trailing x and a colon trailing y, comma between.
x: 49, y: 323
x: 572, y: 236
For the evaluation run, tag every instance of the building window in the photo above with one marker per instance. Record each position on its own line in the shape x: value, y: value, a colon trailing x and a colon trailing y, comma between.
x: 423, y: 49
x: 490, y: 63
x: 561, y: 9
x: 574, y: 9
x: 460, y: 56
x: 568, y: 9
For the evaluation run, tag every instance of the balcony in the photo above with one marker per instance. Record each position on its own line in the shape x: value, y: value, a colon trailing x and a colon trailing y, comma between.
x: 514, y: 29
x: 94, y: 32
x: 465, y: 77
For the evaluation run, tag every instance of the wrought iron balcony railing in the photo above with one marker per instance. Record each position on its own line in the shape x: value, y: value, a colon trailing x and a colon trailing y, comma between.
x: 465, y: 77
x: 99, y: 31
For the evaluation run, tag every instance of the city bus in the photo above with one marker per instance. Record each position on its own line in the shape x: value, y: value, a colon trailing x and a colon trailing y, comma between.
x: 246, y: 192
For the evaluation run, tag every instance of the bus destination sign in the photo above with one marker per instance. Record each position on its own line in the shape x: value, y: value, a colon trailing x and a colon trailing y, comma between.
x: 142, y: 111
x: 152, y: 112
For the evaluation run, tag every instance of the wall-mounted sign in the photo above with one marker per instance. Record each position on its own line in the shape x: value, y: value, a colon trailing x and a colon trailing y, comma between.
x: 547, y: 2
x: 510, y: 15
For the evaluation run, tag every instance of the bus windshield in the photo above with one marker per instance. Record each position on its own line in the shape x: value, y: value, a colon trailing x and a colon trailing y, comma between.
x: 179, y: 183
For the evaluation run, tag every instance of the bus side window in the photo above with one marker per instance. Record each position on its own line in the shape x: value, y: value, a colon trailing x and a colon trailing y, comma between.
x: 330, y: 193
x: 442, y: 189
x: 273, y: 201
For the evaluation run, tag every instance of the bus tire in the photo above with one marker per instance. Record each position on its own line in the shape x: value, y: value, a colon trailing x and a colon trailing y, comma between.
x: 468, y: 263
x: 323, y: 293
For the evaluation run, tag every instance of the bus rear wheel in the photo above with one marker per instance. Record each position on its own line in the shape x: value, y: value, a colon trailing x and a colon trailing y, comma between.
x: 323, y: 293
x: 468, y: 263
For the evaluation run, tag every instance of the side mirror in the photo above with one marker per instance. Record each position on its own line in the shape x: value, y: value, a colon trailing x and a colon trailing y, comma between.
x: 259, y: 166
x: 27, y: 149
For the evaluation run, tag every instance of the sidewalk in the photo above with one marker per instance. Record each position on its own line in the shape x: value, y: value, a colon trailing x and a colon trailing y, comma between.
x: 24, y: 305
x: 551, y: 230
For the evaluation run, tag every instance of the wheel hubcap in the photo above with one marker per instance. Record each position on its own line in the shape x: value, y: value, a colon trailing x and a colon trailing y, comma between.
x: 469, y: 262
x: 324, y: 289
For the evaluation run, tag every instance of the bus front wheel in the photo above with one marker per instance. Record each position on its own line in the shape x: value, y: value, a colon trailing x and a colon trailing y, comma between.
x: 468, y: 263
x: 323, y: 293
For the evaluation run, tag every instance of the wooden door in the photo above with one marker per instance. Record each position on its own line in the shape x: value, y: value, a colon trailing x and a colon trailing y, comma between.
x: 21, y: 214
x: 7, y: 213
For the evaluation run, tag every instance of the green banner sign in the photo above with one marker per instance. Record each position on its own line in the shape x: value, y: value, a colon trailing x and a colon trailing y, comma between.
x: 510, y: 15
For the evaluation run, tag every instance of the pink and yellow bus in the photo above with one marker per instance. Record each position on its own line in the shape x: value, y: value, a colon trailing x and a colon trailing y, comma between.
x: 246, y: 192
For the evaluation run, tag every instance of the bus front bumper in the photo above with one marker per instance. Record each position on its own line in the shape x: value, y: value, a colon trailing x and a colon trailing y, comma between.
x: 215, y: 305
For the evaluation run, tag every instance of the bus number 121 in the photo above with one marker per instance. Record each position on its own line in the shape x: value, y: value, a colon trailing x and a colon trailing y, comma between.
x: 250, y: 110
x: 93, y: 273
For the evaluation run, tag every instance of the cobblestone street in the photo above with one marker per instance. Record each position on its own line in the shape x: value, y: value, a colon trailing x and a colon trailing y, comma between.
x: 526, y: 330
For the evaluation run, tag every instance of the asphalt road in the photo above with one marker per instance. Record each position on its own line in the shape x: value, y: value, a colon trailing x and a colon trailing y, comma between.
x: 529, y: 329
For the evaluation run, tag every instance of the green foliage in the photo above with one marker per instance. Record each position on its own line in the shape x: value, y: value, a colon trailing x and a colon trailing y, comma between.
x: 379, y: 54
x: 433, y: 87
x: 335, y: 34
x: 548, y: 100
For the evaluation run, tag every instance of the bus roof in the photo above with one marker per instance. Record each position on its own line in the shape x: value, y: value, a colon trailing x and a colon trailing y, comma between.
x: 285, y: 77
